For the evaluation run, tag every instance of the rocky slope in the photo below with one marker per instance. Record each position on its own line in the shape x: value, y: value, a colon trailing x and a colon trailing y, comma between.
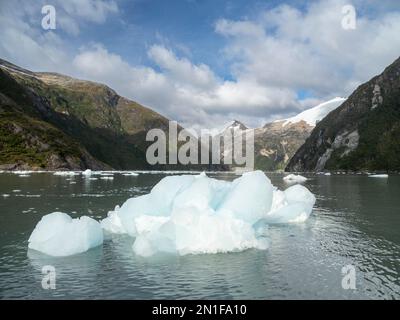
x: 362, y: 134
x: 277, y: 142
x: 52, y: 121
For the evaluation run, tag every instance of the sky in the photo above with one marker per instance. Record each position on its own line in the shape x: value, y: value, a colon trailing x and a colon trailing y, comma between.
x: 204, y: 63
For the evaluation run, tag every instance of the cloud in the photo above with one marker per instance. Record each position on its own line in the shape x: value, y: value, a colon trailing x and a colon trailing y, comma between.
x: 271, y: 57
x: 181, y: 90
x: 287, y: 47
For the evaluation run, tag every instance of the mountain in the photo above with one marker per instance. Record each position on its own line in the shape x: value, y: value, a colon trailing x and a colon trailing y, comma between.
x: 52, y: 121
x: 234, y: 126
x: 276, y: 142
x: 362, y: 134
x: 313, y: 115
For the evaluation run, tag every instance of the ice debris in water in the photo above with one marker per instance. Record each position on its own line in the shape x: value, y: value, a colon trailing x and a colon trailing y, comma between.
x: 378, y: 176
x: 190, y: 214
x: 87, y: 173
x: 65, y: 173
x: 57, y: 234
x: 293, y: 178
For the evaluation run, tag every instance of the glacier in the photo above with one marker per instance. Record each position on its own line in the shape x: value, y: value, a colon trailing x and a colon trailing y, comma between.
x: 58, y: 235
x: 190, y: 214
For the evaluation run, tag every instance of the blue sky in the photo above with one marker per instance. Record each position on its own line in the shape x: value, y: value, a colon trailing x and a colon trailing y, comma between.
x: 205, y: 62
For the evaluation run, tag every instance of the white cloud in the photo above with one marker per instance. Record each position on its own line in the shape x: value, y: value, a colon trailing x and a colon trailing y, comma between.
x: 271, y: 58
x: 289, y: 48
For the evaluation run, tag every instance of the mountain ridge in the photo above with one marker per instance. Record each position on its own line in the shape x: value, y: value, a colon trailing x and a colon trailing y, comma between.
x: 362, y: 134
x: 107, y: 130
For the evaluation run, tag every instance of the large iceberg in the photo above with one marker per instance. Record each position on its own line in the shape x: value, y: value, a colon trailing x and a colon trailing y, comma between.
x: 190, y: 214
x: 57, y: 234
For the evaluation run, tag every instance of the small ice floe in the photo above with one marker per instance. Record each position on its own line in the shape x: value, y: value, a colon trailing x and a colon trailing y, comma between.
x: 87, y: 173
x: 65, y: 173
x: 328, y: 174
x: 293, y: 178
x: 23, y: 172
x: 24, y: 175
x: 107, y: 178
x: 16, y: 191
x: 378, y: 176
x: 57, y: 234
x: 5, y: 195
x: 92, y: 179
x: 130, y: 174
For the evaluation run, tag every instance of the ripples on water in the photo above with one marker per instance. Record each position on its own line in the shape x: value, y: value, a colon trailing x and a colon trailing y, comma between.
x: 356, y: 221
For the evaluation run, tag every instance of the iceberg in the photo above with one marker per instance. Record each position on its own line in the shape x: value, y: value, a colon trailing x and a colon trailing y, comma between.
x: 57, y: 234
x: 293, y: 178
x: 87, y: 173
x: 378, y: 176
x: 190, y: 214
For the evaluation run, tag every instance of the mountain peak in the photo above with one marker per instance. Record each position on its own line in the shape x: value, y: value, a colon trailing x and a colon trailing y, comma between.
x: 235, y: 125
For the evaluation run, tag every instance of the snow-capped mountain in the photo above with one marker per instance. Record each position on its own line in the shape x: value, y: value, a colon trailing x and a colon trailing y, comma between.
x: 278, y: 141
x: 313, y: 115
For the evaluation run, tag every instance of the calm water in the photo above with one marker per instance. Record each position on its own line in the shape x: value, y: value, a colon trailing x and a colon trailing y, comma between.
x: 356, y: 221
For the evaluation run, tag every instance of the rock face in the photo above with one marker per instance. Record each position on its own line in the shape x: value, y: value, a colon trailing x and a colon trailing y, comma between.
x: 276, y: 143
x: 52, y: 121
x: 362, y: 134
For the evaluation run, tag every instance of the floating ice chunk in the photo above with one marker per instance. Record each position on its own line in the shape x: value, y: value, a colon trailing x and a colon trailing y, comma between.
x: 57, y: 234
x: 293, y: 178
x: 113, y: 223
x: 328, y: 174
x: 249, y: 197
x: 130, y: 174
x: 196, y: 214
x: 65, y: 173
x: 197, y: 232
x: 107, y: 178
x: 378, y: 176
x: 294, y: 206
x: 87, y: 172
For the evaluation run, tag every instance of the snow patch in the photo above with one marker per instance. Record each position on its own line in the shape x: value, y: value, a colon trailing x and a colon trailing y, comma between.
x: 317, y: 113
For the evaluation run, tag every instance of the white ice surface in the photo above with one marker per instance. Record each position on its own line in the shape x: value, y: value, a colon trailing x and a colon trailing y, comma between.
x: 190, y: 214
x: 293, y: 178
x: 313, y: 115
x: 57, y: 234
x: 378, y: 176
